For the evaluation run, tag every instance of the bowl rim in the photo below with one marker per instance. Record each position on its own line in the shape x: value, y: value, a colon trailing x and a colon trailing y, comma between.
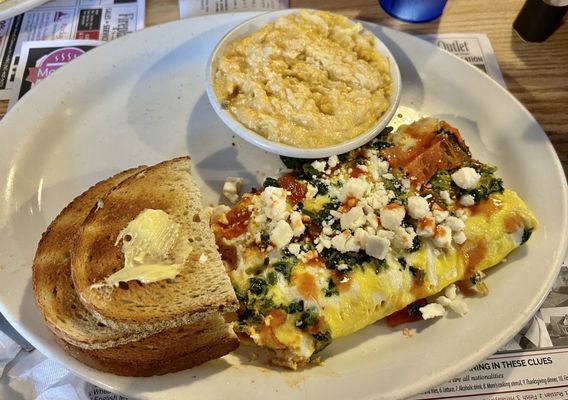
x: 278, y: 148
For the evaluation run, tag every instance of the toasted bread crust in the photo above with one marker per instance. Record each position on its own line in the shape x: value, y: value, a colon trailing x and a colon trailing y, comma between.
x: 199, y: 290
x: 169, y: 351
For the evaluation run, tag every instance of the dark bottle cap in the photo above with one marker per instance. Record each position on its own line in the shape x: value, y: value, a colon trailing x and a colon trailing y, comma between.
x: 537, y: 20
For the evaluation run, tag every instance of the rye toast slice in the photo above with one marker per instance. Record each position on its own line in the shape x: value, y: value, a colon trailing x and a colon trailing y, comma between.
x: 201, y: 289
x: 53, y: 288
x: 83, y: 336
x: 172, y: 350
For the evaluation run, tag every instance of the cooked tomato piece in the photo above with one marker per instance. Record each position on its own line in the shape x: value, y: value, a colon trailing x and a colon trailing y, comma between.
x: 238, y: 218
x: 297, y: 190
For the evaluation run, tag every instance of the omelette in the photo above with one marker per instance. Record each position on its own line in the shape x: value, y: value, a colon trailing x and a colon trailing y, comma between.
x: 340, y: 243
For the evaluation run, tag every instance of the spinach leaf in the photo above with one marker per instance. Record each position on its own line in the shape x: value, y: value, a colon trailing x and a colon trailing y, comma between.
x: 323, y: 339
x: 270, y: 182
x: 294, y: 163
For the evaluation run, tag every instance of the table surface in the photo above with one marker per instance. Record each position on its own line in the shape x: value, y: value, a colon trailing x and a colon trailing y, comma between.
x: 535, y: 73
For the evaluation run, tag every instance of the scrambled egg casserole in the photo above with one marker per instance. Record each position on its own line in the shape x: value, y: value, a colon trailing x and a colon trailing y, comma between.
x: 310, y: 79
x: 343, y: 242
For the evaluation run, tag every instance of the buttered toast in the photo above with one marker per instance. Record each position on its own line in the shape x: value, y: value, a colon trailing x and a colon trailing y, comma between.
x: 133, y: 350
x: 51, y: 274
x: 200, y: 288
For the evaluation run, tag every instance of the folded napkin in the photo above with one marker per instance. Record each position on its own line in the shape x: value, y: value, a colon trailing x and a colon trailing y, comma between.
x: 33, y: 376
x: 8, y: 351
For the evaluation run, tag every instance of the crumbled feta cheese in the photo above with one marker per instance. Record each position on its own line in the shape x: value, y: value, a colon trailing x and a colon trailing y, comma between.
x: 352, y: 244
x: 443, y: 300
x: 461, y: 214
x: 453, y: 300
x: 454, y: 223
x: 353, y: 219
x: 383, y: 165
x: 459, y: 237
x: 281, y: 234
x: 426, y: 226
x: 442, y: 237
x: 312, y: 191
x: 260, y: 218
x: 432, y: 310
x: 377, y: 247
x: 232, y: 188
x: 417, y: 207
x: 445, y: 196
x: 451, y: 291
x: 275, y: 199
x: 298, y: 226
x: 361, y: 236
x: 338, y: 242
x: 459, y: 306
x: 467, y: 200
x: 354, y: 187
x: 308, y: 255
x: 466, y: 178
x: 218, y: 214
x: 294, y: 248
x: 392, y: 216
x: 335, y: 214
x: 319, y: 165
x: 372, y: 220
x: 404, y: 237
x: 332, y: 161
x: 389, y: 235
x: 327, y: 231
x: 325, y: 241
x: 379, y: 197
x: 440, y: 215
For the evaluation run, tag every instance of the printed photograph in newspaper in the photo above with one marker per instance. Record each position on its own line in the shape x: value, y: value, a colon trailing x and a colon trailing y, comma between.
x: 38, y: 60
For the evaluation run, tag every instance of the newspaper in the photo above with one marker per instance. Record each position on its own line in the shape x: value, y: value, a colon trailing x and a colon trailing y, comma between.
x: 534, y: 365
x: 40, y: 59
x: 475, y: 48
x: 64, y: 20
x: 515, y: 376
x: 194, y: 8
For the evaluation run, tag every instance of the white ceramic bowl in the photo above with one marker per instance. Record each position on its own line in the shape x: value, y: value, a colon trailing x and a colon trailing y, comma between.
x: 256, y: 139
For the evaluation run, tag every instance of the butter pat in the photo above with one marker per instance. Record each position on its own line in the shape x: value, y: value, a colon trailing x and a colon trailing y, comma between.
x: 153, y: 249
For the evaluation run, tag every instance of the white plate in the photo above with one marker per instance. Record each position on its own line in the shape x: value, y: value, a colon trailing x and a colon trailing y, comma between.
x: 11, y: 8
x: 141, y: 99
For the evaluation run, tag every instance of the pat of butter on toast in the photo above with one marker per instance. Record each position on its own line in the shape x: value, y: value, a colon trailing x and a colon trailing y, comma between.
x: 153, y: 250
